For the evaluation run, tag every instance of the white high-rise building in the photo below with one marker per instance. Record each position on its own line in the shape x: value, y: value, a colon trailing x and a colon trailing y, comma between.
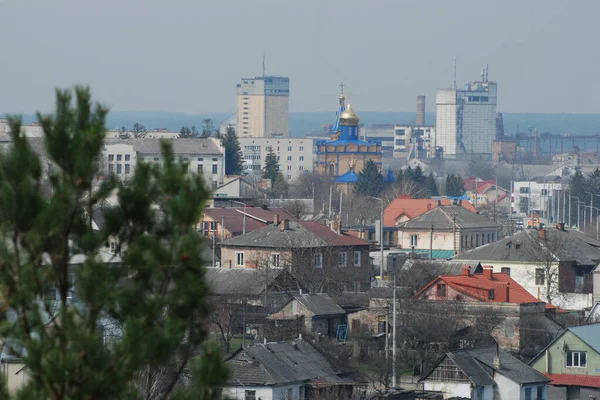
x: 466, y: 119
x: 263, y: 107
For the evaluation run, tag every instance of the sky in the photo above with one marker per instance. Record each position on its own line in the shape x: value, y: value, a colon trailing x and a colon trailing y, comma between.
x: 187, y: 55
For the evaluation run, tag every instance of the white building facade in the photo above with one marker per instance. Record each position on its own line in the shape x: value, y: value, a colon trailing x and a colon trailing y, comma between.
x: 295, y: 155
x: 263, y: 107
x: 546, y: 198
x: 466, y: 119
x: 413, y: 141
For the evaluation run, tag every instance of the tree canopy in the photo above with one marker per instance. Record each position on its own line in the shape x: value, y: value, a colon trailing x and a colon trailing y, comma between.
x: 432, y: 188
x: 370, y: 181
x: 189, y: 133
x: 60, y: 289
x: 454, y: 185
x: 271, y: 169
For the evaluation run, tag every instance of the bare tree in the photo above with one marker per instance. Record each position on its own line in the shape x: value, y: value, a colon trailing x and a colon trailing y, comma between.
x: 296, y: 208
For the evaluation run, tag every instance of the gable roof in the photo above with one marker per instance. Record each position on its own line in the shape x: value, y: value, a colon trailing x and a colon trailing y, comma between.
x: 478, y: 366
x: 319, y: 304
x: 590, y: 334
x: 442, y: 218
x: 478, y: 286
x: 280, y: 363
x: 180, y: 146
x: 574, y: 380
x: 301, y: 234
x: 240, y: 281
x: 256, y: 217
x: 415, y: 207
x: 575, y: 246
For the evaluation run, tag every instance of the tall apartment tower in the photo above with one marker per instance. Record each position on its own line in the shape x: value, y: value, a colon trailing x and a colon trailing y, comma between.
x: 263, y: 106
x: 420, y: 121
x: 466, y: 119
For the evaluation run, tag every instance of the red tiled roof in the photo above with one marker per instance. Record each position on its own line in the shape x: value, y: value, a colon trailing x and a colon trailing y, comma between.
x: 414, y: 207
x: 479, y: 285
x: 574, y: 380
x: 325, y: 233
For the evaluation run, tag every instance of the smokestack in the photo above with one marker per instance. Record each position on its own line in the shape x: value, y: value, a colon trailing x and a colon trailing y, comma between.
x: 420, y: 111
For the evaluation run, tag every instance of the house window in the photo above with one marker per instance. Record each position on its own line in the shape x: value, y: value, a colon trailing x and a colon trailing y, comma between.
x: 301, y: 148
x: 200, y: 168
x: 318, y: 260
x: 289, y: 394
x: 127, y: 168
x: 505, y: 270
x: 111, y: 157
x: 540, y: 393
x: 214, y: 169
x: 119, y: 157
x: 289, y: 158
x: 357, y: 258
x: 215, y: 159
x: 301, y: 168
x: 250, y: 395
x: 480, y: 390
x: 111, y: 168
x: 491, y: 294
x: 441, y: 290
x: 576, y: 359
x: 301, y: 158
x: 343, y: 258
x: 528, y: 394
x: 239, y: 258
x: 540, y: 276
x: 413, y: 240
x: 275, y: 259
x: 127, y: 157
x: 524, y: 190
x: 289, y: 149
x: 119, y: 169
x: 289, y: 167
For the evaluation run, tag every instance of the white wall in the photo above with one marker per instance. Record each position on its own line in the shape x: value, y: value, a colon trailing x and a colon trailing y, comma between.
x: 296, y: 155
x: 122, y: 154
x: 507, y: 389
x: 264, y: 392
x: 450, y: 389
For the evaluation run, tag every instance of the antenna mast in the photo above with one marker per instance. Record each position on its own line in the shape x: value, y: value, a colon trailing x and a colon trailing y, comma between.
x: 264, y: 67
x: 454, y: 72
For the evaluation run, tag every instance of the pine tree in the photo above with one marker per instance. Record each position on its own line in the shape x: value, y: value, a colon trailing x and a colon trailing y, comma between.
x: 271, y: 167
x: 233, y: 152
x: 154, y: 294
x: 280, y: 187
x: 207, y: 128
x: 432, y: 188
x: 370, y: 180
x: 450, y: 185
x: 418, y: 176
x: 189, y: 133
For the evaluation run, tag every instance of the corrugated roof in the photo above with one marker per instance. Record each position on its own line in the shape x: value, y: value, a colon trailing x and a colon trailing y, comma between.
x: 590, y: 334
x: 280, y: 363
x: 524, y: 246
x: 415, y: 207
x: 442, y: 218
x: 301, y: 234
x: 574, y: 380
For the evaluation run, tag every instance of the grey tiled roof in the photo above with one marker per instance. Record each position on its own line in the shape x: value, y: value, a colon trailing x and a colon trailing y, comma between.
x: 280, y: 363
x: 442, y: 218
x: 240, y: 281
x: 590, y: 334
x: 523, y: 246
x: 180, y: 146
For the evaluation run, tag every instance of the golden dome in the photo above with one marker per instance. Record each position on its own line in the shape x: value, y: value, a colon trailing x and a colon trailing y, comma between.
x: 349, y: 117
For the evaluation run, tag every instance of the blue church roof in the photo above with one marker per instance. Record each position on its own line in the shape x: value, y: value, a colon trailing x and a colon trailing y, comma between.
x: 348, y: 177
x: 344, y: 142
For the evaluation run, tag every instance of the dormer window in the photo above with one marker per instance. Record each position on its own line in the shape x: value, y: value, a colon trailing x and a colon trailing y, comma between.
x: 491, y: 294
x: 441, y: 290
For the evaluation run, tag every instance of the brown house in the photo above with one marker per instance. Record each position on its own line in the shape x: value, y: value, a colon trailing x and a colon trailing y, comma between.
x: 321, y: 258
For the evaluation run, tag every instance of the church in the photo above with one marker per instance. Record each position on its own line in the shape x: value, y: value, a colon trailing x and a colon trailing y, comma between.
x: 343, y: 156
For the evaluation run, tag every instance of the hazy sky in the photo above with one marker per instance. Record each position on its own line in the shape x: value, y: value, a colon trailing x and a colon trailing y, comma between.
x: 188, y: 55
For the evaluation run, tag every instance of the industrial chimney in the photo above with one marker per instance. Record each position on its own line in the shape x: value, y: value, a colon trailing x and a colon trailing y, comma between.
x: 420, y: 111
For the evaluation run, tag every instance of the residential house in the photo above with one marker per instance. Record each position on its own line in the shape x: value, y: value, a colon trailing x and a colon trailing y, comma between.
x: 322, y: 258
x: 518, y: 315
x: 486, y: 373
x: 285, y: 370
x: 404, y: 208
x: 226, y: 223
x: 449, y: 227
x: 237, y: 188
x: 553, y: 264
x: 242, y: 298
x: 12, y: 368
x: 311, y: 313
x: 486, y: 192
x: 572, y: 362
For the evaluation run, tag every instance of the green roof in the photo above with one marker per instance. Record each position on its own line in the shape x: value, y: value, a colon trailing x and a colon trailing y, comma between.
x: 436, y: 254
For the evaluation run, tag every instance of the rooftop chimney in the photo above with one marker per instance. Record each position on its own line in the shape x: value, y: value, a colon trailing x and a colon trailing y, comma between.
x: 488, y: 272
x: 276, y: 219
x: 496, y: 362
x: 285, y: 225
x: 466, y: 270
x: 542, y: 233
x: 560, y: 226
x: 508, y: 292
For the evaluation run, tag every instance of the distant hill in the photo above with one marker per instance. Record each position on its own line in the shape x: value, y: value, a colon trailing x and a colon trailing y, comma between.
x: 302, y: 123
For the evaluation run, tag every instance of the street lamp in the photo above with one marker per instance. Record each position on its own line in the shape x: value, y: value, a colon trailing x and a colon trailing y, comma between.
x: 597, y: 218
x: 578, y: 211
x: 380, y: 237
x: 579, y: 205
x: 244, y: 221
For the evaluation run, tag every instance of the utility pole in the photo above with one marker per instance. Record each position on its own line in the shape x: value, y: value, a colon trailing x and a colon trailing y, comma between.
x: 454, y: 231
x: 431, y: 243
x: 214, y: 246
x: 222, y: 229
x: 564, y: 218
x: 591, y: 204
x: 380, y: 236
x: 330, y: 194
x: 495, y: 200
x: 394, y: 339
x: 341, y: 193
